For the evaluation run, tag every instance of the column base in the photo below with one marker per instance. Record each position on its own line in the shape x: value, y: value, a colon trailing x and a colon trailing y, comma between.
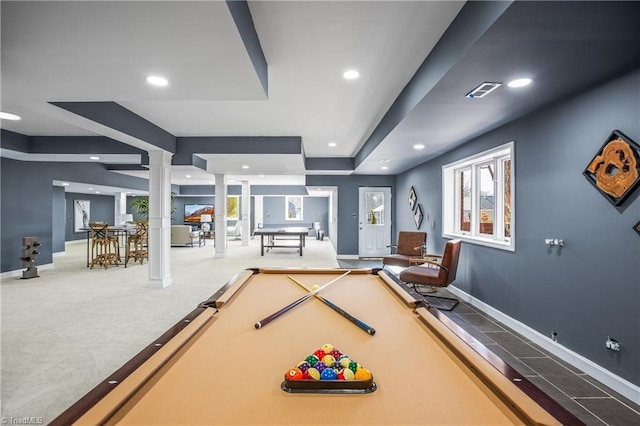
x: 159, y: 283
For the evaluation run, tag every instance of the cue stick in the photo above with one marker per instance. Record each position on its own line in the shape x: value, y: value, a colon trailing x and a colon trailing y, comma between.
x: 292, y: 305
x: 338, y: 309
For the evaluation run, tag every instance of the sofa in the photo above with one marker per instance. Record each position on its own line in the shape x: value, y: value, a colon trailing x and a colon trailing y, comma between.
x: 182, y: 235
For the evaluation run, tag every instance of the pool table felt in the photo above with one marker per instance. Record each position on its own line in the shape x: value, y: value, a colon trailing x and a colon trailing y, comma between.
x: 230, y: 373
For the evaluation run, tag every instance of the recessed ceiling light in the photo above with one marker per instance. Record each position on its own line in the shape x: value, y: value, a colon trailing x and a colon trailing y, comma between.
x: 519, y: 82
x: 385, y: 167
x: 261, y: 175
x: 90, y: 189
x: 332, y: 144
x: 350, y: 74
x: 9, y: 116
x: 318, y: 189
x: 97, y: 192
x: 188, y: 176
x: 157, y: 80
x: 245, y: 167
x: 418, y: 146
x: 93, y: 157
x: 65, y: 184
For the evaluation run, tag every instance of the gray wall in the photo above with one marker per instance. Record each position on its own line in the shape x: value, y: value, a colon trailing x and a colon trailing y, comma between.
x: 348, y: 195
x: 27, y: 194
x: 58, y: 220
x: 588, y: 290
x: 102, y: 209
x: 314, y: 209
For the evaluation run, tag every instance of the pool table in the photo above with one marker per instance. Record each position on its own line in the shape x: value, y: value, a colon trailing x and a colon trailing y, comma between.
x: 215, y: 367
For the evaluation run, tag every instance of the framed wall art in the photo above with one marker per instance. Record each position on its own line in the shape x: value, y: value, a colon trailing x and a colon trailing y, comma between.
x: 412, y: 198
x: 81, y: 214
x: 615, y: 169
x: 417, y: 216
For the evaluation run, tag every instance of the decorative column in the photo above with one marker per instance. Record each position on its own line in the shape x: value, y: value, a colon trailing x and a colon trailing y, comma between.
x: 120, y: 208
x: 246, y: 204
x: 220, y: 212
x: 159, y: 244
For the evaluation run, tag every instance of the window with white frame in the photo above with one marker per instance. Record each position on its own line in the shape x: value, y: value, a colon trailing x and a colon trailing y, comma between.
x: 478, y: 198
x: 293, y: 207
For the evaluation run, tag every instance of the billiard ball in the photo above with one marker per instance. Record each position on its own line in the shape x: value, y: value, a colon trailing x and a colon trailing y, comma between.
x: 320, y: 353
x: 327, y: 348
x: 312, y: 359
x: 295, y: 374
x: 315, y: 287
x: 328, y: 374
x: 344, y: 361
x: 353, y: 366
x: 346, y: 374
x: 329, y: 360
x: 335, y: 353
x: 320, y: 366
x: 312, y: 374
x: 363, y: 374
x: 303, y: 366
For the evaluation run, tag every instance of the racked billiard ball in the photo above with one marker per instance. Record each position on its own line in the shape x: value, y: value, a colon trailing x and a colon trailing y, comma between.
x: 353, y: 366
x: 312, y: 374
x: 328, y: 360
x: 335, y: 353
x: 319, y: 353
x: 327, y: 348
x: 320, y: 366
x: 363, y: 374
x: 344, y: 361
x: 328, y: 374
x: 303, y: 366
x: 346, y: 374
x: 312, y: 359
x: 295, y: 374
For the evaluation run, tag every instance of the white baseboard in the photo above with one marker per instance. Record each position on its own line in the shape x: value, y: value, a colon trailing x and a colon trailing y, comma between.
x: 617, y: 383
x: 348, y: 256
x: 83, y: 241
x: 59, y: 253
x: 18, y: 272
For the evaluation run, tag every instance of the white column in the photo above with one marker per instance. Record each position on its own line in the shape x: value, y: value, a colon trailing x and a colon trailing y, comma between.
x: 258, y: 215
x: 246, y: 204
x: 220, y: 212
x: 159, y: 219
x: 120, y: 207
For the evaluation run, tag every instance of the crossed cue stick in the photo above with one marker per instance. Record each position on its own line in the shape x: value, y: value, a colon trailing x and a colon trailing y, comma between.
x: 370, y: 330
x: 292, y: 305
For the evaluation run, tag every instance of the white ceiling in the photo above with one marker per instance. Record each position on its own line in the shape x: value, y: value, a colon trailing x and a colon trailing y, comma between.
x: 102, y: 51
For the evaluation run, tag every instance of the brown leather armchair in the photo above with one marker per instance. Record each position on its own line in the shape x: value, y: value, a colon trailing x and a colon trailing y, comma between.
x: 435, y: 274
x: 410, y: 245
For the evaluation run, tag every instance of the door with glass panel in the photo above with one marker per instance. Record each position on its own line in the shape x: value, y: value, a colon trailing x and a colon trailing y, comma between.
x: 374, y: 221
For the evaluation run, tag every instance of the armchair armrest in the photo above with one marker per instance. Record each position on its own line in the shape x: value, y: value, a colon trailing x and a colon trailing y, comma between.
x: 429, y: 262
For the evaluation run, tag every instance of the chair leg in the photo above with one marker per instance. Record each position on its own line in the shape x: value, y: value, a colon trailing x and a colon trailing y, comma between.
x: 441, y: 303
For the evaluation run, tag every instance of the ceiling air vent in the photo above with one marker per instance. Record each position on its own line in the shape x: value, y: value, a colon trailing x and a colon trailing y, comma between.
x: 483, y: 90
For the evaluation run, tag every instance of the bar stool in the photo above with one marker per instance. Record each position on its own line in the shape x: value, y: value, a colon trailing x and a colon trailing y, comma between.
x: 99, y: 244
x: 137, y: 244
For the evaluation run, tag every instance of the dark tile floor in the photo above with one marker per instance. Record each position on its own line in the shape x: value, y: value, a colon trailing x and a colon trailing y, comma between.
x: 589, y: 400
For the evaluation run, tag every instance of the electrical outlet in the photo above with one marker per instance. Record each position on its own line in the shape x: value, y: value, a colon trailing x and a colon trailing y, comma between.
x: 612, y: 344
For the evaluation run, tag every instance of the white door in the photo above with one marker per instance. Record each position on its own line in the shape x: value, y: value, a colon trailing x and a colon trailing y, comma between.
x: 374, y: 221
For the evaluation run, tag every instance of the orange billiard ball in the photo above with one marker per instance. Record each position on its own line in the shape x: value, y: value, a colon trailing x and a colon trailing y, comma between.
x: 295, y: 374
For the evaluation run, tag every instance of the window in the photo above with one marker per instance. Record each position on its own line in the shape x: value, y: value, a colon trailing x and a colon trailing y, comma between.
x: 375, y: 208
x: 478, y: 202
x: 293, y: 207
x: 232, y: 207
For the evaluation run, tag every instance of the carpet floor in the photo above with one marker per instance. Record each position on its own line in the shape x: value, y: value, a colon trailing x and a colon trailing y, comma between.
x: 64, y: 332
